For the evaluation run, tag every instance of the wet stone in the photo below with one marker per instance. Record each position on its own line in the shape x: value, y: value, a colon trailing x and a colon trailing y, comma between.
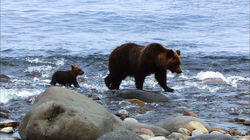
x: 186, y: 113
x: 247, y: 122
x: 9, y: 123
x: 7, y: 130
x: 196, y: 133
x: 4, y: 78
x: 137, y: 102
x: 4, y: 115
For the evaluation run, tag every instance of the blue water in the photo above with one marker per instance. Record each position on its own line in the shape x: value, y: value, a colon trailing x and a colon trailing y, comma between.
x: 41, y: 37
x: 87, y: 27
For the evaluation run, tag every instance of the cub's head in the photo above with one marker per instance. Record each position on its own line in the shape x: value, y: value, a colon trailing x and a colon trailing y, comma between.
x: 77, y: 70
x: 170, y: 60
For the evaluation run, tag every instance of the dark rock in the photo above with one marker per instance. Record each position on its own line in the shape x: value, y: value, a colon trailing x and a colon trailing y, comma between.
x: 4, y: 78
x: 212, y: 137
x: 62, y: 114
x: 121, y: 135
x: 173, y: 124
x: 9, y: 123
x: 143, y: 95
x: 247, y: 122
x: 4, y: 115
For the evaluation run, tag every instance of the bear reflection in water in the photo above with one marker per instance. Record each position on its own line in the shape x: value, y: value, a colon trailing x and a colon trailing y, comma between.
x: 67, y: 78
x: 138, y: 61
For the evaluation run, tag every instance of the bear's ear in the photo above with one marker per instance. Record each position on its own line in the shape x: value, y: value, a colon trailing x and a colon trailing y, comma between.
x: 178, y: 52
x: 72, y: 66
x: 170, y: 53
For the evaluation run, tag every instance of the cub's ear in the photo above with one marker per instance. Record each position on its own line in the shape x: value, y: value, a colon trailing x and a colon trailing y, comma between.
x: 170, y: 53
x: 72, y: 66
x: 178, y: 52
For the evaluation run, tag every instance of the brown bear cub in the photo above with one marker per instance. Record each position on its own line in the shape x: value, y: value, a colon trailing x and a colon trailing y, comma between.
x: 139, y: 61
x: 67, y: 78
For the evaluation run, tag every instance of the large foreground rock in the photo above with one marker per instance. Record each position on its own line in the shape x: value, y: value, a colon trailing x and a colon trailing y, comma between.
x: 173, y: 124
x: 62, y: 114
x: 121, y: 135
x: 143, y: 95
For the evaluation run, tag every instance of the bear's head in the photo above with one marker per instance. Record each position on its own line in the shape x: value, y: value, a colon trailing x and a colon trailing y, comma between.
x: 170, y: 60
x: 77, y: 70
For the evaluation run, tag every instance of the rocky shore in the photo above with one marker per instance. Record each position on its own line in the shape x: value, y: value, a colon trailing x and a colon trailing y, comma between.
x: 60, y: 113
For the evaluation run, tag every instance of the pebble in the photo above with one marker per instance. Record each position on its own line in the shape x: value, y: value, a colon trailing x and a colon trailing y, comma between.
x: 7, y: 130
x: 145, y: 137
x: 219, y: 130
x: 131, y: 120
x: 8, y: 123
x: 184, y: 131
x: 144, y: 131
x: 247, y: 122
x: 137, y: 102
x: 4, y: 78
x: 196, y: 133
x: 193, y: 125
x: 216, y: 132
x: 190, y: 114
x: 177, y: 136
x: 158, y: 138
x: 4, y: 115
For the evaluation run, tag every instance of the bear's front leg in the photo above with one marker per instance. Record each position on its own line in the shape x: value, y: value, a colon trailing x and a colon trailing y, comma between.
x: 76, y: 84
x: 139, y: 80
x: 161, y: 78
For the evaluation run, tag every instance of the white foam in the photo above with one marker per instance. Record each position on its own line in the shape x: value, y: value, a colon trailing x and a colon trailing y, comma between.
x: 231, y: 80
x: 8, y: 94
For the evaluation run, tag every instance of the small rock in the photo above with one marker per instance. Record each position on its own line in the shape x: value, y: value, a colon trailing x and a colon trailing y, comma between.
x: 137, y: 102
x: 214, y: 80
x: 247, y: 122
x: 144, y: 131
x: 212, y: 137
x: 219, y: 130
x: 190, y: 114
x: 4, y: 115
x: 196, y: 133
x: 145, y: 137
x: 158, y: 138
x: 240, y: 120
x: 177, y: 136
x: 216, y: 132
x: 123, y: 114
x: 184, y: 131
x: 233, y: 132
x: 193, y: 125
x: 9, y: 123
x: 132, y: 120
x: 7, y: 130
x: 4, y: 78
x: 36, y: 74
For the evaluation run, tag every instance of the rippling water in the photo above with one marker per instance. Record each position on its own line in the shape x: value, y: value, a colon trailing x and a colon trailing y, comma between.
x: 39, y: 38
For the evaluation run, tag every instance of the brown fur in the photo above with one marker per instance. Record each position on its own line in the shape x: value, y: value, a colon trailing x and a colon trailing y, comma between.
x: 139, y: 61
x: 67, y: 78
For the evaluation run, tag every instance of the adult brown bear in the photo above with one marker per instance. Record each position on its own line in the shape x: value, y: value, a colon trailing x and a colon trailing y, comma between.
x: 139, y: 61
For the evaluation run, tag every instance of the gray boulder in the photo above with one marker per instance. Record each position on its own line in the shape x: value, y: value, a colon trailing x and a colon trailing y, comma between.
x: 121, y: 135
x: 63, y: 114
x: 212, y: 137
x: 143, y: 95
x: 173, y: 124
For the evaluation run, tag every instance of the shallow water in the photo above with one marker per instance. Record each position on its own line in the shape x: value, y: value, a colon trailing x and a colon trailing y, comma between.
x: 39, y: 38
